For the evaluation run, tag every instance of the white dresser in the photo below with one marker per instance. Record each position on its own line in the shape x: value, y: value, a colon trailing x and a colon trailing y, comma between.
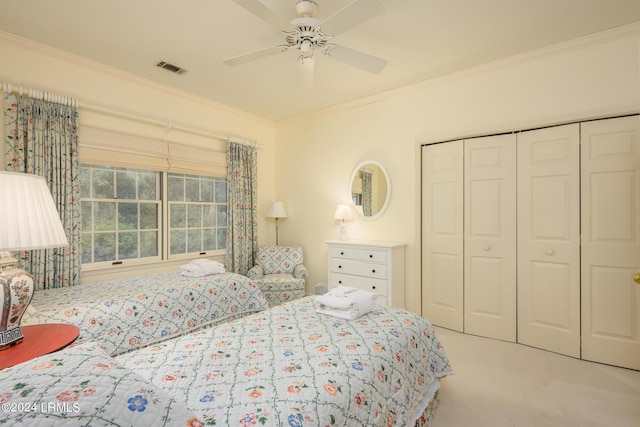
x: 369, y: 265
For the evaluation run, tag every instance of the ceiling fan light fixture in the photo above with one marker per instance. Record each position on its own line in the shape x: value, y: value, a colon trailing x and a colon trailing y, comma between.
x: 306, y: 60
x: 306, y: 67
x: 306, y: 48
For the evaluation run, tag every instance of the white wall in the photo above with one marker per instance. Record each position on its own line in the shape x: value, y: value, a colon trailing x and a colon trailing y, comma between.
x: 316, y: 154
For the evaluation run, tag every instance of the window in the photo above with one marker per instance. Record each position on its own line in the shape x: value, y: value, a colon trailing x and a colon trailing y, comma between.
x: 122, y: 214
x: 197, y: 213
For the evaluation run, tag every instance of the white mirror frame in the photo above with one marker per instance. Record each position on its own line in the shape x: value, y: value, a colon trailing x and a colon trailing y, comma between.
x: 387, y: 177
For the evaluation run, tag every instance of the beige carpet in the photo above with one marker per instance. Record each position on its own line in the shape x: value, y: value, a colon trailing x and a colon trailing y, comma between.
x: 497, y: 384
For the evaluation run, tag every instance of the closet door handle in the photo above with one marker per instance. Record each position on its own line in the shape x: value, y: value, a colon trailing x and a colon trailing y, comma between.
x: 636, y: 278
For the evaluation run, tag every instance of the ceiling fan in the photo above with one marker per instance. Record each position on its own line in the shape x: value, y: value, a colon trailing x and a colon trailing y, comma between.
x: 308, y: 35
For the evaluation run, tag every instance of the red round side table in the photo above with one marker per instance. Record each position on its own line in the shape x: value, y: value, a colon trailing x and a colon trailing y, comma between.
x: 39, y: 340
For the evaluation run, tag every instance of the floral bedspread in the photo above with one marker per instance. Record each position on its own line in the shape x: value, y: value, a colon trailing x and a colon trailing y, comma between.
x: 130, y: 313
x: 82, y: 386
x: 290, y: 366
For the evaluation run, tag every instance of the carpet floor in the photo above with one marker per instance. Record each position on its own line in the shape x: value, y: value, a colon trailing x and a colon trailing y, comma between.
x: 496, y: 383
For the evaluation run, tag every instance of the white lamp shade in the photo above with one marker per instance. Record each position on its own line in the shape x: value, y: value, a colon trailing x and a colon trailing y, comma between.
x: 28, y: 216
x: 276, y: 210
x: 343, y: 212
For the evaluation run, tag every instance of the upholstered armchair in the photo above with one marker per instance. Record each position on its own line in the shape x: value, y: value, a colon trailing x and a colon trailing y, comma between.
x: 279, y: 273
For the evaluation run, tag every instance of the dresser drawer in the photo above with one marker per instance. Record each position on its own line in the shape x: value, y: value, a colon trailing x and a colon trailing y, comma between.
x: 371, y: 266
x: 377, y: 286
x: 361, y: 254
x: 358, y: 268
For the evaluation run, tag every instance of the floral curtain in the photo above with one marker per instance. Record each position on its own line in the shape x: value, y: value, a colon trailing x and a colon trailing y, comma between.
x: 42, y: 138
x: 242, y: 236
x: 366, y: 193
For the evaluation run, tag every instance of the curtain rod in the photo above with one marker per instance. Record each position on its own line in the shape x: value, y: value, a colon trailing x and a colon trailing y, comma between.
x: 167, y: 125
x: 40, y: 94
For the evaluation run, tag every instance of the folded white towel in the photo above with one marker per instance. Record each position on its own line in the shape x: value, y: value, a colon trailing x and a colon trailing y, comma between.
x: 343, y: 314
x: 346, y: 302
x: 201, y: 267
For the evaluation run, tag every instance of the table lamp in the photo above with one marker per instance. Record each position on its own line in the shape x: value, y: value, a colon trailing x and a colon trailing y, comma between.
x: 276, y: 210
x: 28, y: 220
x: 343, y: 213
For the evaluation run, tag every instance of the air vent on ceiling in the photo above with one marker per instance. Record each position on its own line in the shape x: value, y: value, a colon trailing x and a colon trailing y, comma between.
x: 170, y: 67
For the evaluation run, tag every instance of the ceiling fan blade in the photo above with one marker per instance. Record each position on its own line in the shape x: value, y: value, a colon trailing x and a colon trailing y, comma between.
x: 252, y: 56
x: 362, y: 60
x: 351, y: 15
x: 268, y: 15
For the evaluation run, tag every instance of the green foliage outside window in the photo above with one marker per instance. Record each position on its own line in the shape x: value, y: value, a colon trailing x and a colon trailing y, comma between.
x: 122, y: 213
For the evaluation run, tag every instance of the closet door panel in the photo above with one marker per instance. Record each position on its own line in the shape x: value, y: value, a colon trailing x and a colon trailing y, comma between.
x: 490, y: 237
x: 549, y: 239
x: 611, y: 241
x: 442, y: 234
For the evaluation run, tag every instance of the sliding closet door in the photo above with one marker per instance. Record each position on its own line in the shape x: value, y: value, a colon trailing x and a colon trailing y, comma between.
x: 490, y: 237
x: 611, y: 241
x: 442, y: 234
x: 549, y: 239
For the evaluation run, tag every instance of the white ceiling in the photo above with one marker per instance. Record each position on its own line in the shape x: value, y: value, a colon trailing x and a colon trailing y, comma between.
x: 421, y: 39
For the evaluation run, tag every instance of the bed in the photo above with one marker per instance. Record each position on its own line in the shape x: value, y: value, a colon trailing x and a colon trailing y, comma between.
x: 83, y: 386
x: 130, y: 313
x: 293, y: 366
x: 284, y: 366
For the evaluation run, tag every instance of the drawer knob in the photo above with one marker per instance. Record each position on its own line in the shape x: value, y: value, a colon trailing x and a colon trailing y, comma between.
x: 370, y: 255
x: 373, y: 271
x: 339, y: 266
x: 340, y: 281
x: 373, y: 287
x: 341, y: 253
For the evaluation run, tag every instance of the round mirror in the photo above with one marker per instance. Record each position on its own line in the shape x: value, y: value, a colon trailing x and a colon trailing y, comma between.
x: 370, y: 189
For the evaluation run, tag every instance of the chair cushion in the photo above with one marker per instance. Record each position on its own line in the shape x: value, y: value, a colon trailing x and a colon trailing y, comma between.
x: 272, y: 282
x: 278, y: 259
x: 280, y: 288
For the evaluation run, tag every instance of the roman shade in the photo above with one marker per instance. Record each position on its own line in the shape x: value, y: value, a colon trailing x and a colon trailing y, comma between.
x: 105, y: 147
